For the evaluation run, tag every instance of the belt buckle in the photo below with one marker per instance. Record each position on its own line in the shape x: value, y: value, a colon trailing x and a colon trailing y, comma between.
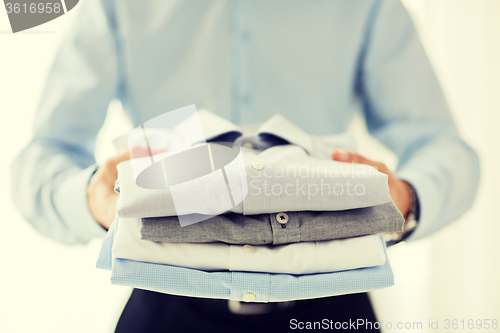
x: 243, y: 308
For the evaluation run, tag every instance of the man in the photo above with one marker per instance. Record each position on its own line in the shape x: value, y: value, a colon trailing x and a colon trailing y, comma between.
x: 244, y: 60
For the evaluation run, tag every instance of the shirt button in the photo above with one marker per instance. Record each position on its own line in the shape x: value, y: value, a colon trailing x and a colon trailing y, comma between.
x: 257, y: 165
x: 247, y: 98
x: 248, y: 249
x: 248, y: 145
x: 248, y: 297
x: 282, y: 218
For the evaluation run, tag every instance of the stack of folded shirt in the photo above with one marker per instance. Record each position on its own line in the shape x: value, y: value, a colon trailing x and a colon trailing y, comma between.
x: 307, y: 226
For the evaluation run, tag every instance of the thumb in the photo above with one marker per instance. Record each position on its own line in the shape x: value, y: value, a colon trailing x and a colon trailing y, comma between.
x: 123, y: 156
x: 109, y: 168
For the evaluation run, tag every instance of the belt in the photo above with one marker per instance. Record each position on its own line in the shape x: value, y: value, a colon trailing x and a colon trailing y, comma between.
x: 244, y: 308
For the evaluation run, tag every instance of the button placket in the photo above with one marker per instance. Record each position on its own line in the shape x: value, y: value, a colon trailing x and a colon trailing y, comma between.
x: 259, y: 286
x: 242, y: 58
x: 285, y: 227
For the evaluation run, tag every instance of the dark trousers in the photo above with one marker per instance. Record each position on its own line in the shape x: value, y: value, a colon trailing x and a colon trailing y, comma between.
x: 152, y: 312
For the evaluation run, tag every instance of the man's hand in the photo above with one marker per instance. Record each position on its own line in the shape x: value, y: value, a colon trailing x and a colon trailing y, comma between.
x: 399, y: 189
x: 101, y: 195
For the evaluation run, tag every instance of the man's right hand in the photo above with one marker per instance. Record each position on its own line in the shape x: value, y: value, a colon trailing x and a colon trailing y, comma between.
x: 101, y: 194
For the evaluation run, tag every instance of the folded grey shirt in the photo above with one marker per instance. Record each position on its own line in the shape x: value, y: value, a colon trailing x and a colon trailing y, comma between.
x: 262, y: 229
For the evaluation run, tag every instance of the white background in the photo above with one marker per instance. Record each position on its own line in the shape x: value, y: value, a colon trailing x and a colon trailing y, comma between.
x: 454, y: 274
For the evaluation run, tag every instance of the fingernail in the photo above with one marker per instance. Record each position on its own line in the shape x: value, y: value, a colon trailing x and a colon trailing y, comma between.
x: 342, y: 155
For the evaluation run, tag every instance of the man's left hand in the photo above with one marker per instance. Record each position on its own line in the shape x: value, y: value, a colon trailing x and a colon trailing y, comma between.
x: 399, y: 189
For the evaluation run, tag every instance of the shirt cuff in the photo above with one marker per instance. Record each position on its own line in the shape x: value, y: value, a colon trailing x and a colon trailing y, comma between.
x: 425, y: 190
x: 72, y: 205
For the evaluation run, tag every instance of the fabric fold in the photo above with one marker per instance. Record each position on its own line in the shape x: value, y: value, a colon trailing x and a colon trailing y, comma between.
x: 264, y: 229
x: 298, y: 258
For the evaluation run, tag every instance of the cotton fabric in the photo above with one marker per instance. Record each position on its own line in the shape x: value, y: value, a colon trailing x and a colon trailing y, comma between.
x: 234, y: 285
x: 292, y: 176
x: 298, y: 258
x: 264, y: 229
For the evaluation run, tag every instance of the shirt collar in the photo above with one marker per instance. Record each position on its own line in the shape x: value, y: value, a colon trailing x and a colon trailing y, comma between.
x: 279, y: 126
x: 214, y: 126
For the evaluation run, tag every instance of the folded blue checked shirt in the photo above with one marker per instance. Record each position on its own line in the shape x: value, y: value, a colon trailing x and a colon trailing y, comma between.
x: 235, y: 285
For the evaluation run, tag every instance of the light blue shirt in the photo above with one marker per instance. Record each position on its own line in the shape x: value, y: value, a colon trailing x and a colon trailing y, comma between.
x: 244, y: 60
x: 234, y: 285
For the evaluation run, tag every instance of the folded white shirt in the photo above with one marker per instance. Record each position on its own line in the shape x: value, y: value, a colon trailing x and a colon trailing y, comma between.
x: 298, y: 176
x: 297, y: 258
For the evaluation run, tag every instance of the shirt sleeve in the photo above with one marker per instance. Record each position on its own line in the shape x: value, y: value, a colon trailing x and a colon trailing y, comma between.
x: 50, y: 176
x: 406, y: 110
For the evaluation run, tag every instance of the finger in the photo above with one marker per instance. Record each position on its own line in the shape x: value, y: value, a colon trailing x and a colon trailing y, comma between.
x: 109, y: 167
x: 123, y: 156
x: 350, y: 157
x: 156, y: 151
x: 135, y: 152
x: 341, y: 156
x: 141, y: 151
x: 356, y: 158
x: 346, y: 156
x: 378, y: 165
